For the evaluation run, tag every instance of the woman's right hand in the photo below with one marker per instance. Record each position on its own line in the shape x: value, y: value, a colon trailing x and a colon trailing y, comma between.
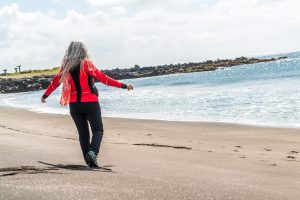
x: 43, y: 100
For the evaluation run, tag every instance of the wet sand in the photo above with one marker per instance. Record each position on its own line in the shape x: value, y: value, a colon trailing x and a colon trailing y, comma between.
x: 147, y: 159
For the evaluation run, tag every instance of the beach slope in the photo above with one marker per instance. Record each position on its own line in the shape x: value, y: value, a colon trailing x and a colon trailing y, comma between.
x: 147, y: 159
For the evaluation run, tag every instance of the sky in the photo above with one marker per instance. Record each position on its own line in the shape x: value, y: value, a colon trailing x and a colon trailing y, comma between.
x: 122, y: 33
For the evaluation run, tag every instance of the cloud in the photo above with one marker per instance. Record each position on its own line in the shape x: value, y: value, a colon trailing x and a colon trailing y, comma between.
x: 108, y: 2
x: 61, y: 1
x: 124, y: 33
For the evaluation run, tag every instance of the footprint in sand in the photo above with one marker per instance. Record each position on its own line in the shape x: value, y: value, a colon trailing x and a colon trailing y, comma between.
x: 271, y: 164
x: 242, y: 157
x: 291, y: 157
x: 293, y: 152
x: 268, y: 149
x: 239, y: 146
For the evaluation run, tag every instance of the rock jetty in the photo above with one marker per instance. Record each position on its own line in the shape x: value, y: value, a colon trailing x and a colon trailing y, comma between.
x: 13, y: 85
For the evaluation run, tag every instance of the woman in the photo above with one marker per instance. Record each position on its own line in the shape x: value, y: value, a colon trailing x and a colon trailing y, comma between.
x: 77, y: 73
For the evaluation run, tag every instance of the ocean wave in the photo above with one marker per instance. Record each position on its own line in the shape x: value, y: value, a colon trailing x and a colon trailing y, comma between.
x: 263, y: 94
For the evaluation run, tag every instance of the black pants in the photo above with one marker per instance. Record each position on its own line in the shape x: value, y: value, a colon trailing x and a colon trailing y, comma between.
x: 82, y: 114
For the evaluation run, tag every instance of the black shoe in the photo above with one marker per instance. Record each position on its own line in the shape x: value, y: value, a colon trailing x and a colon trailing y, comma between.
x: 91, y: 159
x: 86, y: 161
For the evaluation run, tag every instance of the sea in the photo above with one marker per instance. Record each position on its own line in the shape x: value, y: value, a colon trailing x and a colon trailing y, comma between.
x: 264, y: 94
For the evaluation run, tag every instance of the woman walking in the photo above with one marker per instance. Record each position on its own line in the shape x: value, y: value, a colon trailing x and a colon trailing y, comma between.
x: 77, y: 73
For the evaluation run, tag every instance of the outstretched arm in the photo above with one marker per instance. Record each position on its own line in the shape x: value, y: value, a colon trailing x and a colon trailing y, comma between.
x: 52, y: 86
x: 100, y: 76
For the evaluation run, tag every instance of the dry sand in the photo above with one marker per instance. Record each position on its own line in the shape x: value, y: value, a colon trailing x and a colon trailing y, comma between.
x: 147, y: 159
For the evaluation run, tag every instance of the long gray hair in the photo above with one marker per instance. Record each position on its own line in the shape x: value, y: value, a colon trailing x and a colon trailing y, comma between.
x: 75, y: 53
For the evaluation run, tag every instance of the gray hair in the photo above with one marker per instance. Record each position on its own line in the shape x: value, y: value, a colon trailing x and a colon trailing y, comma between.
x: 75, y: 53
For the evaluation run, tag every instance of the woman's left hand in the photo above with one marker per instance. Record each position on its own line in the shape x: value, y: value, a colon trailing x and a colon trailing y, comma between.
x: 129, y: 87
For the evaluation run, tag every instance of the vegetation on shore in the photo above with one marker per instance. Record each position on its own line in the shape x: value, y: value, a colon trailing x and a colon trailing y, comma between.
x: 31, y: 73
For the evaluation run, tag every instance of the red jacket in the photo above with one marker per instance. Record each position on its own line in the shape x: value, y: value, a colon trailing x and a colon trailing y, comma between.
x: 81, y: 83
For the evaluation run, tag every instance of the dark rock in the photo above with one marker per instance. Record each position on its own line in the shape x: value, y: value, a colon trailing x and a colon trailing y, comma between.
x: 10, y: 85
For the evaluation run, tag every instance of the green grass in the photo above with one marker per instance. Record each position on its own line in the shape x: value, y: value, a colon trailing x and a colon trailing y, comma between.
x: 31, y: 73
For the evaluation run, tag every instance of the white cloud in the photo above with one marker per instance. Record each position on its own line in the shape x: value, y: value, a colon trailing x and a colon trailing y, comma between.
x: 61, y: 1
x: 118, y: 10
x: 124, y: 33
x: 108, y: 2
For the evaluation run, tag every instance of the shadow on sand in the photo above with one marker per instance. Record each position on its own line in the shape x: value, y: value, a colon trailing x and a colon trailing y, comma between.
x: 78, y: 167
x: 51, y: 168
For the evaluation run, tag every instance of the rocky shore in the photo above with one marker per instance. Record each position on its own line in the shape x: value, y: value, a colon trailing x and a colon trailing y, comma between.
x: 12, y: 85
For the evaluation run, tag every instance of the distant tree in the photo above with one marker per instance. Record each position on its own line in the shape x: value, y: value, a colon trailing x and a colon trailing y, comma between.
x: 16, y: 70
x: 5, y: 70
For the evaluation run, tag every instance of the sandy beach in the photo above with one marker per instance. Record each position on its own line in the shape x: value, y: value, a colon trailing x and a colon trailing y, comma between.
x: 147, y: 159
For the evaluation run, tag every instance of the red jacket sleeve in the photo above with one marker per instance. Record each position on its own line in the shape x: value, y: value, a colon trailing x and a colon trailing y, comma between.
x: 53, y: 85
x: 90, y: 69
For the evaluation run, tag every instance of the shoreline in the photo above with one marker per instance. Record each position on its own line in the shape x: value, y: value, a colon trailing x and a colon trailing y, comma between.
x: 260, y: 125
x: 146, y: 159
